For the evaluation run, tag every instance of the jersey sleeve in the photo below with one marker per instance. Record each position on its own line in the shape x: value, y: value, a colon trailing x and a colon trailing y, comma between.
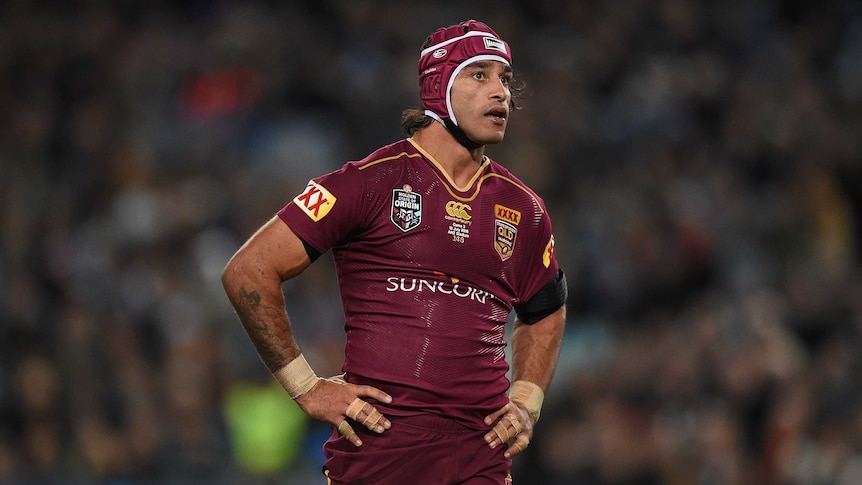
x: 539, y: 264
x: 328, y: 210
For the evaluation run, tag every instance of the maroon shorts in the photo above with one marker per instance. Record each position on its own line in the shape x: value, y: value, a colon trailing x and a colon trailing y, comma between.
x: 417, y: 450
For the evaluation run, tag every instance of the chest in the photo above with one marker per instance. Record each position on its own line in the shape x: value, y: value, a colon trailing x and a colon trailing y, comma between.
x: 438, y: 229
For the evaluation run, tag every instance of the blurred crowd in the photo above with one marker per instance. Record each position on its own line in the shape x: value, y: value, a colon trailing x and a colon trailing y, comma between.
x: 701, y: 161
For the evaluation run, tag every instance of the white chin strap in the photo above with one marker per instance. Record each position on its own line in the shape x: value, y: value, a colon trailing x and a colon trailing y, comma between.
x: 434, y: 115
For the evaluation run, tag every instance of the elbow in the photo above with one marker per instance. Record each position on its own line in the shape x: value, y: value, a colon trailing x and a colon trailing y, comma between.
x: 230, y: 273
x: 246, y: 269
x: 225, y: 275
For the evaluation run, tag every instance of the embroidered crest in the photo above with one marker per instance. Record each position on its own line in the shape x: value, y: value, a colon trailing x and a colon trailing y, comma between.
x: 504, y: 238
x: 406, y: 208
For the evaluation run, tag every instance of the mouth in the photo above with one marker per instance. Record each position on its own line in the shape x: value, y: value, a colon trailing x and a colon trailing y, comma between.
x: 497, y: 114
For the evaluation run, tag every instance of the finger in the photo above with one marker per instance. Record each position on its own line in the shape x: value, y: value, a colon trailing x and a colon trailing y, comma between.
x: 374, y: 393
x: 355, y: 409
x: 496, y: 414
x: 498, y: 435
x: 502, y: 432
x: 515, y: 422
x: 521, y: 443
x: 373, y: 420
x: 382, y: 423
x: 376, y: 422
x: 346, y: 430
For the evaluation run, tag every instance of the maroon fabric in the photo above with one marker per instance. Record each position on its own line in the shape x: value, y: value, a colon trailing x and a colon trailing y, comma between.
x: 446, y: 50
x: 428, y: 274
x: 417, y: 450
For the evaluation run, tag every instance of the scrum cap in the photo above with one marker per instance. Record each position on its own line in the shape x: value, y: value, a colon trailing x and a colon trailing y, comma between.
x: 443, y: 56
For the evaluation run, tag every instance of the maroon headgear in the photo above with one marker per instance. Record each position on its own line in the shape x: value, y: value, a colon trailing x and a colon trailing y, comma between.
x: 445, y: 53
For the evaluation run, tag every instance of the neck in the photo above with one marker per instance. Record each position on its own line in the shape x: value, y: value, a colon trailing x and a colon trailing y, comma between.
x: 459, y: 135
x: 459, y: 162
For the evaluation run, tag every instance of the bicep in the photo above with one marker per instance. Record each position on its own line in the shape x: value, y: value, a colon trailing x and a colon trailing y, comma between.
x: 274, y: 252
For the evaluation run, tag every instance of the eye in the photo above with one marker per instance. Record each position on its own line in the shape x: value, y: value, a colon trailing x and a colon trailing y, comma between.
x: 478, y: 75
x: 506, y: 80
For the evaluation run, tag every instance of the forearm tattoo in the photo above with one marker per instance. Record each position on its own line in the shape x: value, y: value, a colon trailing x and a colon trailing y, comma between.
x: 268, y: 328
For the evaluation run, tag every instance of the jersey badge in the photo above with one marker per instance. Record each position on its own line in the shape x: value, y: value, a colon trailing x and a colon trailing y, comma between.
x: 406, y: 208
x: 315, y: 201
x: 503, y: 212
x: 504, y: 238
x: 459, y: 215
x: 505, y: 230
x: 548, y: 255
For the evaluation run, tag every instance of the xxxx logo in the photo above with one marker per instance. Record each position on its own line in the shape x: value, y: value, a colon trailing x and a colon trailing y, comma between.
x: 506, y: 214
x: 505, y: 230
x: 315, y: 201
x: 458, y: 210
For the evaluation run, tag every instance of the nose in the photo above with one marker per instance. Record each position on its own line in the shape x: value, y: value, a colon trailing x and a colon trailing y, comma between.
x: 499, y: 90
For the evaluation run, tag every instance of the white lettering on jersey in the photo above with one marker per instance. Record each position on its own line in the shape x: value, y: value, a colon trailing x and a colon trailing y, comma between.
x: 409, y: 285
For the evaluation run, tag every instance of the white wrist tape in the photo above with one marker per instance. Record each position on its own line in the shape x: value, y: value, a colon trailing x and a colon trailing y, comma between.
x: 297, y: 377
x: 528, y: 395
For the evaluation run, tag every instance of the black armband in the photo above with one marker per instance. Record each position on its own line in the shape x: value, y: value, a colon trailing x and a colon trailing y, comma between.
x: 546, y: 301
x: 312, y: 253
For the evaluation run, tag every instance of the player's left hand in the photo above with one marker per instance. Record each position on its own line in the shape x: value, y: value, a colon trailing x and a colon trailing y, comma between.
x: 514, y: 426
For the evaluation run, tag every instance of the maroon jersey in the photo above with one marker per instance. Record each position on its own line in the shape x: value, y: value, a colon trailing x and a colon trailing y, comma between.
x: 428, y: 273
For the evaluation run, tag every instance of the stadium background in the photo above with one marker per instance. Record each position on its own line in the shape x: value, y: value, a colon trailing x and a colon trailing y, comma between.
x: 701, y: 161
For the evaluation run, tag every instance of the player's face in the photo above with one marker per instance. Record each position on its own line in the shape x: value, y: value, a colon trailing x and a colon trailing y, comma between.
x: 480, y: 100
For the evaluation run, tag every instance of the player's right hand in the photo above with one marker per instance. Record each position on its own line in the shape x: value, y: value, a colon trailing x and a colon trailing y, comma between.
x: 337, y: 402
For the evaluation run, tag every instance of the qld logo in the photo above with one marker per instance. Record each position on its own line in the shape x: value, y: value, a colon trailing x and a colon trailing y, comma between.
x: 504, y: 239
x: 406, y: 208
x: 505, y: 230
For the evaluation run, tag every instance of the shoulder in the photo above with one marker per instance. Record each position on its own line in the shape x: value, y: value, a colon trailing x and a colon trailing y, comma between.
x: 513, y: 184
x: 386, y: 158
x: 378, y: 167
